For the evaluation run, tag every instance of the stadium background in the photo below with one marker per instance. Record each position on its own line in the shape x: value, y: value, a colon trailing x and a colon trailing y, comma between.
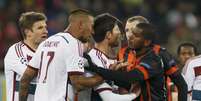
x: 177, y: 21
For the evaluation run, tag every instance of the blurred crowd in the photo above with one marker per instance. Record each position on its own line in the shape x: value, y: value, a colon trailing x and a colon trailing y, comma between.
x: 177, y: 21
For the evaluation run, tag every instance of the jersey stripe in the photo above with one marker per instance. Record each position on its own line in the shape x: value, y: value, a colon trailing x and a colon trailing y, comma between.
x: 99, y: 54
x: 14, y: 83
x: 16, y: 51
x: 79, y: 48
x: 171, y: 70
x: 20, y: 49
x: 103, y: 89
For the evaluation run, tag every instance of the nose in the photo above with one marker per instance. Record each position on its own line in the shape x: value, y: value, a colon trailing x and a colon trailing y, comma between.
x: 186, y: 56
x: 128, y: 35
x: 45, y: 30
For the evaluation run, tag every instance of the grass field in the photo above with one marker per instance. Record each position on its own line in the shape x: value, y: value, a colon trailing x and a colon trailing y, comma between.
x: 2, y: 87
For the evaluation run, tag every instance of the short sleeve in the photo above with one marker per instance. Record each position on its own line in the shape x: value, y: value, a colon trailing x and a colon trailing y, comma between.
x: 12, y: 62
x: 74, y: 61
x: 170, y: 65
x: 75, y: 64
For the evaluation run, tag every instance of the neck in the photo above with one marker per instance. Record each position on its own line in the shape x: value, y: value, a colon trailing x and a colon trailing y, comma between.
x: 31, y: 44
x: 141, y: 52
x: 74, y: 32
x: 103, y: 47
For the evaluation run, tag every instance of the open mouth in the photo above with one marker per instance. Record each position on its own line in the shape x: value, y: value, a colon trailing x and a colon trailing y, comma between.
x: 44, y: 36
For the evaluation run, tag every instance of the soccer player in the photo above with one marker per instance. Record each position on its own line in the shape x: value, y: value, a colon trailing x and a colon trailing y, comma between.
x: 148, y: 70
x: 34, y: 30
x: 170, y: 66
x: 59, y: 63
x: 192, y: 75
x: 106, y: 36
x: 184, y: 52
x: 189, y: 64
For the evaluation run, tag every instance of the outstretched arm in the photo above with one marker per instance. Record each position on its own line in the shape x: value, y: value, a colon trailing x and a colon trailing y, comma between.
x: 81, y: 82
x: 27, y: 77
x: 118, y: 76
x: 179, y: 81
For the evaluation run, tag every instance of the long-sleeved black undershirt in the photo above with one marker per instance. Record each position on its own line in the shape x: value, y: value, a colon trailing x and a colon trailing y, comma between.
x: 179, y: 81
x: 119, y: 77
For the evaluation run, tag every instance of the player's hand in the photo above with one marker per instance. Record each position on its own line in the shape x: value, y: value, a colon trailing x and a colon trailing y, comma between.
x: 135, y: 88
x: 121, y: 66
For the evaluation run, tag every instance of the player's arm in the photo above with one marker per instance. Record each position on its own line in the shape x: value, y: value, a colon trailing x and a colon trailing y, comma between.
x: 119, y: 76
x: 27, y: 77
x: 139, y: 74
x: 179, y: 81
x: 172, y: 70
x: 81, y: 82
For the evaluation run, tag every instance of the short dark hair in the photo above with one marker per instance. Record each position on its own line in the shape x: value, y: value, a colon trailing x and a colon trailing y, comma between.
x: 27, y: 20
x: 78, y: 12
x: 103, y: 23
x: 187, y: 44
x: 147, y: 30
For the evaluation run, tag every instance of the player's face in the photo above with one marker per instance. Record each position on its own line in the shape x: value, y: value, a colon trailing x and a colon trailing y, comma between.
x: 115, y: 37
x: 88, y: 29
x: 39, y: 32
x: 135, y: 39
x: 129, y: 27
x: 185, y: 54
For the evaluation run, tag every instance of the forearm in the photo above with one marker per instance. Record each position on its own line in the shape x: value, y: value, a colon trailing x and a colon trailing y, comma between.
x: 23, y: 91
x: 24, y: 83
x: 81, y: 82
x: 119, y: 76
x: 181, y: 85
x: 90, y: 81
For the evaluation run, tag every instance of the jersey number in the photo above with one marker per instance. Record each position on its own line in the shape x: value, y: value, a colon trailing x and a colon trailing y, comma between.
x: 45, y: 62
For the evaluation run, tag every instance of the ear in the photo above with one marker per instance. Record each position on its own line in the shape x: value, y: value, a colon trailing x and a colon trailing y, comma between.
x: 27, y: 32
x: 147, y: 42
x: 108, y: 35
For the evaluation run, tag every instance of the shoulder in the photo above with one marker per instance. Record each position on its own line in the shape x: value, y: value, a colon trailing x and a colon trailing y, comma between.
x: 94, y: 54
x: 151, y: 58
x: 194, y: 61
x: 15, y: 48
x: 151, y: 55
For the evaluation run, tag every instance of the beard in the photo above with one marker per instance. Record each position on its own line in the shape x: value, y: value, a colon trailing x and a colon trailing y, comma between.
x: 114, y: 44
x: 83, y: 40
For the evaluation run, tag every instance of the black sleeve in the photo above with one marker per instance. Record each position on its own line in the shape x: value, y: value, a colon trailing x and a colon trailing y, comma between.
x: 179, y: 81
x: 169, y: 62
x: 116, y: 76
x: 119, y: 76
